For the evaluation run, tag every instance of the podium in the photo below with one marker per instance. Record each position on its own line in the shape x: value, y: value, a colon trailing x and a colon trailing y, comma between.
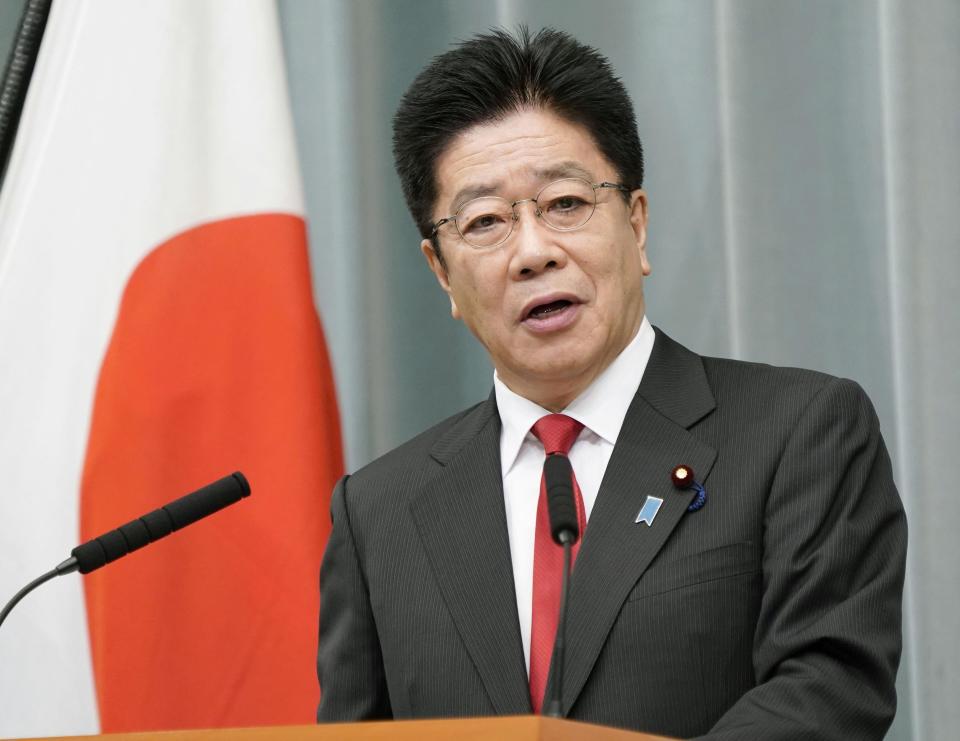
x: 511, y: 728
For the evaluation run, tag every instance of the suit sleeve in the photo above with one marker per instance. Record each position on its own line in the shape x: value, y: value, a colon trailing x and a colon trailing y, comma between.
x: 349, y: 663
x: 828, y: 638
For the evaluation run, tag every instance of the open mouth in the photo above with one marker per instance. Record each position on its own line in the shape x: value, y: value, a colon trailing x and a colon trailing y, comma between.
x: 555, y: 314
x: 544, y: 310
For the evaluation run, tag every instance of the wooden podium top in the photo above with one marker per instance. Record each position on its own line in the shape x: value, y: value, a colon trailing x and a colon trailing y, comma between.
x: 515, y: 728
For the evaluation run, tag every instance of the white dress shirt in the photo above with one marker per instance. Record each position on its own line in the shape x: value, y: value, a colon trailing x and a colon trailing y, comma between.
x: 601, y: 409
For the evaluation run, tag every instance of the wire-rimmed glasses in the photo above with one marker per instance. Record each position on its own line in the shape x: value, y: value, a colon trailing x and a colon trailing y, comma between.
x: 564, y: 205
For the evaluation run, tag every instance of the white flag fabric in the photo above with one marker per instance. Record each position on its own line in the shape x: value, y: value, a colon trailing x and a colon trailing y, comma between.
x: 157, y: 331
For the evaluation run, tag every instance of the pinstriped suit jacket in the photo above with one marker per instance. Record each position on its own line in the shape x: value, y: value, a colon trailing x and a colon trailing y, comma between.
x: 771, y: 613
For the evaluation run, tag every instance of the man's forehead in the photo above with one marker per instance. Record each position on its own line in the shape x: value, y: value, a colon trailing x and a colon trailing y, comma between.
x: 536, y: 174
x: 527, y: 147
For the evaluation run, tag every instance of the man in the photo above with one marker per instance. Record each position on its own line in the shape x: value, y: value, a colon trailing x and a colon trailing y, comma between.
x: 760, y: 602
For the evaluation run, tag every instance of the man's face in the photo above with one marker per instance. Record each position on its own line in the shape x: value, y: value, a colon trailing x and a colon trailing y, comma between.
x: 552, y: 308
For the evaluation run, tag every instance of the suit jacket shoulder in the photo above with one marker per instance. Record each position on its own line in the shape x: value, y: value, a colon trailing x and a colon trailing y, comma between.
x: 406, y: 469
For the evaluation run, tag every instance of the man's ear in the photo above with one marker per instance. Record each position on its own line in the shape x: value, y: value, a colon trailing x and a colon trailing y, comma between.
x: 638, y: 220
x: 439, y: 269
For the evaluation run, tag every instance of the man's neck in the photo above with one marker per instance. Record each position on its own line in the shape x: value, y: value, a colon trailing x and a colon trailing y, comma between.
x: 556, y: 394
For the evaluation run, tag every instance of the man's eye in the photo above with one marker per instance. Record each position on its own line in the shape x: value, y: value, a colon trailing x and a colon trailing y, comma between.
x: 566, y: 203
x: 480, y: 223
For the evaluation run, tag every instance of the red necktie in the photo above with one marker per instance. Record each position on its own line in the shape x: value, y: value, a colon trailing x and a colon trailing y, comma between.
x: 557, y: 432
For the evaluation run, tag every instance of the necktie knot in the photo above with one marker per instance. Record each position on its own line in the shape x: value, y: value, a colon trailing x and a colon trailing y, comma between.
x: 557, y: 432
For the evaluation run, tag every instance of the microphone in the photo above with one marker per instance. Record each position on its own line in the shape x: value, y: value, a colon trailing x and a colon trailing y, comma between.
x: 562, y: 508
x: 161, y: 522
x: 558, y: 477
x: 137, y: 533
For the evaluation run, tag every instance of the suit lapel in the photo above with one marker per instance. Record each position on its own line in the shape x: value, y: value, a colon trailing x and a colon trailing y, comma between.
x: 462, y: 523
x: 615, y: 552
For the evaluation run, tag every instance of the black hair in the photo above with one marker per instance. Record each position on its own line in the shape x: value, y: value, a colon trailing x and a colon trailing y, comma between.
x: 492, y: 75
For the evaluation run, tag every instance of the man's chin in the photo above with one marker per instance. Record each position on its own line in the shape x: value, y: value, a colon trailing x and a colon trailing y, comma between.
x: 538, y: 382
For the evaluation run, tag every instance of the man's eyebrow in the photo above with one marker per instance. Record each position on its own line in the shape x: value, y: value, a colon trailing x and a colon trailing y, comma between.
x: 469, y: 192
x: 563, y: 170
x: 559, y: 171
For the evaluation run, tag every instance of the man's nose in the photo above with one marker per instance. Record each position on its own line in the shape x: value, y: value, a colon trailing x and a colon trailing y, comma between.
x: 536, y: 247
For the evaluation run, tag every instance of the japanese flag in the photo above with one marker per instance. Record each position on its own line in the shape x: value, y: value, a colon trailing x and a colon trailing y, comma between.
x: 157, y: 332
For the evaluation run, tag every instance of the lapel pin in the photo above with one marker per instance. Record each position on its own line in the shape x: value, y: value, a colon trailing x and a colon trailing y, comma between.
x: 649, y: 510
x: 682, y: 478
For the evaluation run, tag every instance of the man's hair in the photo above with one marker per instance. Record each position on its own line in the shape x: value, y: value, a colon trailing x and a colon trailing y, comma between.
x: 493, y: 75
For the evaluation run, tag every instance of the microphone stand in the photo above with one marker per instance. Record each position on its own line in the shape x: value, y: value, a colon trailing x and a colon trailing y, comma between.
x: 554, y: 707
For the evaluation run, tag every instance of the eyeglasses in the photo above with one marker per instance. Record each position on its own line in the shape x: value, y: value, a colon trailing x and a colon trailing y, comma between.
x: 564, y: 205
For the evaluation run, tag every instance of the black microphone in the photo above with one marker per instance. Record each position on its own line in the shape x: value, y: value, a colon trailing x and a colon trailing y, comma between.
x: 558, y: 480
x: 137, y: 533
x: 558, y: 477
x: 173, y: 516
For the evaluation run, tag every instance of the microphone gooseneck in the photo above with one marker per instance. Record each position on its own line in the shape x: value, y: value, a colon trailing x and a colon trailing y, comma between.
x: 137, y: 533
x: 562, y: 508
x: 25, y: 591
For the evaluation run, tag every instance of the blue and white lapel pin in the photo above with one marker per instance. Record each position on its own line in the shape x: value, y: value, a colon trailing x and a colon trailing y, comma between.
x: 649, y: 510
x: 682, y: 478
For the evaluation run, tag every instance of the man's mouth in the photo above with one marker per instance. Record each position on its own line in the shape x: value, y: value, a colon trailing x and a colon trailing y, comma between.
x: 544, y: 310
x: 550, y: 313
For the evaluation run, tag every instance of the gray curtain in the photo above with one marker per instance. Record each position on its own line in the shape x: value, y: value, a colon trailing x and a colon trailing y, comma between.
x: 10, y: 12
x: 803, y: 161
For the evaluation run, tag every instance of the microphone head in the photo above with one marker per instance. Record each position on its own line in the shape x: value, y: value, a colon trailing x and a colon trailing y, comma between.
x: 244, y: 489
x: 558, y: 478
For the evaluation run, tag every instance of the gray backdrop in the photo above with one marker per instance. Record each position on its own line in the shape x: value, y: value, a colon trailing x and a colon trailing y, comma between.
x: 803, y: 161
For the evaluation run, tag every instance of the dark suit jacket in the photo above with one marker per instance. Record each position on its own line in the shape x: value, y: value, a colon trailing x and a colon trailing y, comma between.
x: 771, y: 613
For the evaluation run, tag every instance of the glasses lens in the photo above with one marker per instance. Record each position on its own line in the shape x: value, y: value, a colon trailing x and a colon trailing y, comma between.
x: 485, y: 222
x: 567, y: 204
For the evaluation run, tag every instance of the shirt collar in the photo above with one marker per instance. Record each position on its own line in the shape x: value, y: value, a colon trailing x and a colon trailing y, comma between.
x: 601, y: 407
